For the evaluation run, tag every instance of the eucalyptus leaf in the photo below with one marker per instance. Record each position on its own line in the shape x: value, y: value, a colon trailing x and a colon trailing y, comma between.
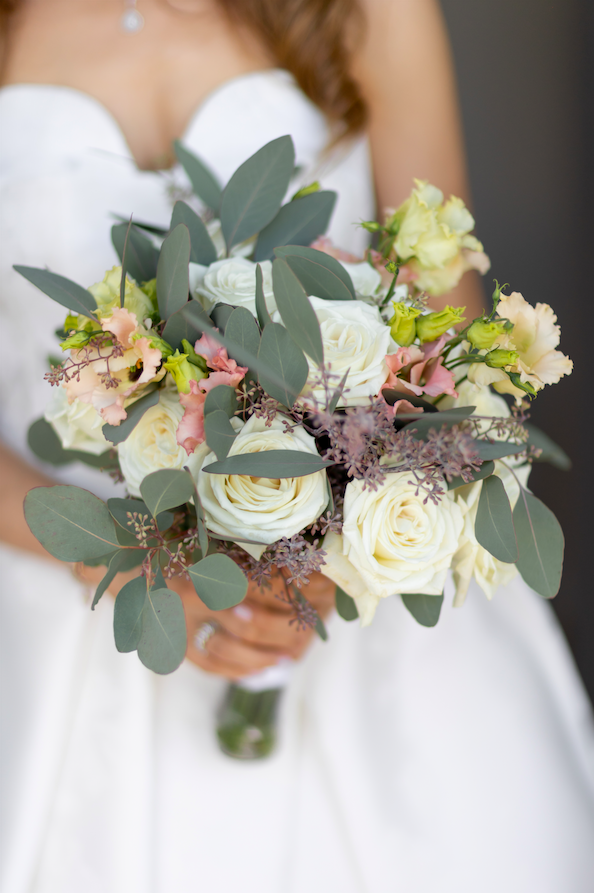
x: 222, y: 397
x: 219, y: 433
x: 204, y: 182
x: 321, y: 630
x: 345, y: 605
x: 319, y: 273
x: 203, y: 250
x: 220, y: 314
x: 494, y: 526
x: 498, y: 449
x: 286, y: 369
x: 166, y: 489
x: 338, y: 392
x: 299, y: 222
x: 141, y: 254
x: 219, y: 582
x: 486, y: 469
x: 270, y: 464
x: 296, y: 311
x: 541, y: 545
x: 153, y: 228
x: 163, y: 642
x: 124, y: 272
x: 421, y: 426
x: 189, y: 322
x: 124, y: 560
x: 551, y: 451
x: 173, y: 271
x: 261, y: 309
x: 71, y: 523
x: 424, y: 608
x: 45, y: 443
x: 243, y: 329
x: 254, y: 193
x: 117, y: 433
x: 65, y: 292
x: 391, y: 397
x: 127, y: 614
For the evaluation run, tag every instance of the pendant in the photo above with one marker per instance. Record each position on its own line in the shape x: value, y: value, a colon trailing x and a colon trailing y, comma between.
x: 131, y: 21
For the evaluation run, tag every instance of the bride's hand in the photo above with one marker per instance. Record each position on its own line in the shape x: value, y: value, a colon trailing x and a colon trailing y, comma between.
x: 255, y: 634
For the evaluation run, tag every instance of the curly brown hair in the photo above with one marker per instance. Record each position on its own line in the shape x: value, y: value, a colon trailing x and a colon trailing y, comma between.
x: 309, y: 38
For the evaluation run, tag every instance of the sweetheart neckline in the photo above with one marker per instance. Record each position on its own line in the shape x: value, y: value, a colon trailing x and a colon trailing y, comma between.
x: 91, y: 100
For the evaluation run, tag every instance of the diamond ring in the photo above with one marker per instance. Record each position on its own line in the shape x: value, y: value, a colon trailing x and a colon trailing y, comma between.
x: 204, y: 633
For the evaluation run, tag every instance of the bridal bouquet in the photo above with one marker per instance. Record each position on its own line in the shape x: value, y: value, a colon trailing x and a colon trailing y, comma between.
x: 273, y: 403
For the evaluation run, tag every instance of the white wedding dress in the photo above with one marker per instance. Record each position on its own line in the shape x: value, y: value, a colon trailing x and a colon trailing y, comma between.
x: 411, y: 760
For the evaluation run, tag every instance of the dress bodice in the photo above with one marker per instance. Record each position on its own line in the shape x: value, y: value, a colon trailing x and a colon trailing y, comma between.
x: 66, y: 171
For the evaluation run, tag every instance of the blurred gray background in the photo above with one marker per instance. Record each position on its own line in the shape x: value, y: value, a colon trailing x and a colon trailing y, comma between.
x: 526, y: 79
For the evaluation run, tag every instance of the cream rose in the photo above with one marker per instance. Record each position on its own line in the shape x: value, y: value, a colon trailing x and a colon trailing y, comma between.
x: 77, y: 424
x: 152, y: 444
x: 233, y: 281
x: 392, y: 542
x: 262, y: 509
x: 354, y: 338
x: 471, y: 559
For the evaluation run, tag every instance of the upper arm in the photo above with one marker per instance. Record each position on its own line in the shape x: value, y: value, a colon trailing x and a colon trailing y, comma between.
x: 405, y: 71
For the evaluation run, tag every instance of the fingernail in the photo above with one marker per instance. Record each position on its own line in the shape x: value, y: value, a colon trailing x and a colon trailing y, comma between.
x: 243, y: 612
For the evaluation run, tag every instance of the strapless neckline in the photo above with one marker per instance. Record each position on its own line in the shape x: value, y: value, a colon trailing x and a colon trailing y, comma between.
x: 76, y: 96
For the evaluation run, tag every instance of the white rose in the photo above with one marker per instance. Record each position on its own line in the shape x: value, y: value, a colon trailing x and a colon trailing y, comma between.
x: 471, y: 559
x: 366, y: 279
x: 393, y: 541
x: 262, y: 509
x: 78, y: 425
x: 215, y: 231
x: 233, y: 281
x: 354, y: 338
x: 152, y: 444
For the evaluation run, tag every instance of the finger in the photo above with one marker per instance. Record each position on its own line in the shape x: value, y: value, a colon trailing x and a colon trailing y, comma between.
x: 259, y: 626
x: 212, y: 664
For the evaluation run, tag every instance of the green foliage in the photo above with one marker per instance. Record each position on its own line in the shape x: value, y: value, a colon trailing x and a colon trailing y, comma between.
x: 551, y: 452
x: 188, y: 323
x: 299, y: 222
x: 166, y: 489
x: 254, y: 193
x: 319, y: 273
x: 119, y: 508
x: 296, y: 311
x: 203, y: 181
x: 45, y: 443
x: 65, y: 292
x: 243, y: 330
x: 124, y: 560
x: 219, y: 433
x: 127, y: 614
x: 219, y: 316
x: 486, y: 469
x: 321, y: 630
x: 345, y: 605
x: 498, y: 449
x: 541, y: 545
x: 222, y: 397
x: 219, y: 582
x: 173, y: 283
x: 118, y: 433
x: 261, y: 309
x: 163, y: 642
x: 270, y: 464
x: 203, y: 250
x: 71, y: 523
x: 424, y: 608
x: 285, y: 371
x: 494, y: 526
x: 421, y: 426
x: 338, y: 392
x: 141, y: 254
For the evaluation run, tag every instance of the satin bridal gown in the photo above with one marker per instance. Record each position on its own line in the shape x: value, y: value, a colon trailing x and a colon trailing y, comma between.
x: 418, y: 760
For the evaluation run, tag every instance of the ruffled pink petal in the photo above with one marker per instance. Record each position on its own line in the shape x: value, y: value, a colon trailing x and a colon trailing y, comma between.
x: 151, y: 359
x: 434, y: 348
x: 83, y: 385
x: 190, y: 431
x: 229, y: 378
x: 210, y: 349
x: 122, y: 323
x: 114, y: 413
x: 439, y: 380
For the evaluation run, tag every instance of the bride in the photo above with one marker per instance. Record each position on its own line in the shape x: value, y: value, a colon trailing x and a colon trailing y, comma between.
x: 458, y: 758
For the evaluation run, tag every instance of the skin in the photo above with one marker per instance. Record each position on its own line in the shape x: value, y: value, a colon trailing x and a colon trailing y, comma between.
x: 152, y: 83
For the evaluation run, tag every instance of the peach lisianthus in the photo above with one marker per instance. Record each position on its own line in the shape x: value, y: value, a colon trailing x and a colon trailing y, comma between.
x: 419, y: 371
x: 535, y: 337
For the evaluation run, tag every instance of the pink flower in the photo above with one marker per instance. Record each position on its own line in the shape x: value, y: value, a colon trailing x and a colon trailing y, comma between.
x: 190, y: 431
x: 122, y: 323
x: 421, y: 371
x: 209, y: 348
x: 149, y: 356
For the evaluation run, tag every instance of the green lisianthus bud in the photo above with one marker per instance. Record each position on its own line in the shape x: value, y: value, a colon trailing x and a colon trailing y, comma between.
x: 155, y: 341
x: 432, y: 325
x: 194, y: 358
x: 307, y: 190
x: 182, y: 371
x: 371, y: 226
x: 482, y: 333
x: 402, y: 325
x: 499, y: 358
